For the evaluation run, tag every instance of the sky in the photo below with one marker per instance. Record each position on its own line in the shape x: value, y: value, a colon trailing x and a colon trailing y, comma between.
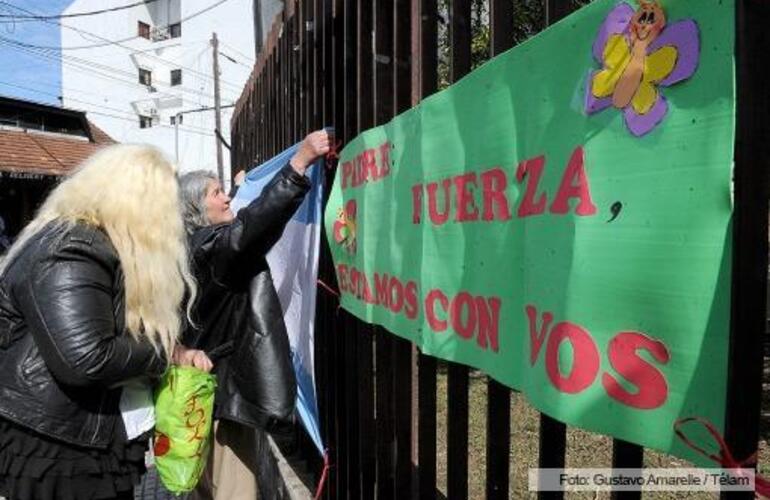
x: 24, y: 75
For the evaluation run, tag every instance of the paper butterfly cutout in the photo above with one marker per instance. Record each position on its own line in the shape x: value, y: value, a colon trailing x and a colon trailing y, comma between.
x: 345, y: 227
x: 639, y: 54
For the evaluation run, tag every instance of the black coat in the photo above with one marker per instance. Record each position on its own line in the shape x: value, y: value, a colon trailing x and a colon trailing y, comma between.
x: 63, y: 345
x: 256, y: 383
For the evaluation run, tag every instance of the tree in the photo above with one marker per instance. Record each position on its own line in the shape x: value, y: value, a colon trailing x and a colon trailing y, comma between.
x: 529, y: 19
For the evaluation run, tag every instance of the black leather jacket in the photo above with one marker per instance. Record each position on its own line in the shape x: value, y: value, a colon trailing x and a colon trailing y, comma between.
x: 238, y: 309
x: 63, y: 345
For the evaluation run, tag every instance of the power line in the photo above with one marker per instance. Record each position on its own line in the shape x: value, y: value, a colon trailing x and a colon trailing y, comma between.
x: 54, y: 86
x: 88, y: 103
x: 196, y: 14
x: 77, y: 47
x: 159, y: 125
x: 192, y: 130
x: 110, y: 42
x: 238, y: 52
x: 128, y: 114
x: 233, y: 60
x: 119, y: 42
x: 80, y: 100
x: 89, y: 70
x: 106, y: 42
x: 93, y: 68
x: 205, y: 108
x: 128, y: 74
x: 77, y: 14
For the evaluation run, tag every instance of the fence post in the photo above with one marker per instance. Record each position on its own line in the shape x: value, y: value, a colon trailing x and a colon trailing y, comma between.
x: 296, y: 68
x: 402, y: 349
x: 553, y: 434
x: 327, y: 115
x: 457, y: 382
x: 498, y: 396
x: 424, y: 83
x: 626, y: 455
x: 750, y: 217
x: 379, y: 60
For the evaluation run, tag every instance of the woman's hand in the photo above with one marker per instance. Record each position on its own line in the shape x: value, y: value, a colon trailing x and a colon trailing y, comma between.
x: 239, y: 177
x: 315, y: 144
x: 191, y: 357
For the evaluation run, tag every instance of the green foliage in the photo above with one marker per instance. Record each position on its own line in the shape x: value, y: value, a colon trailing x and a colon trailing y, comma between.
x: 529, y: 19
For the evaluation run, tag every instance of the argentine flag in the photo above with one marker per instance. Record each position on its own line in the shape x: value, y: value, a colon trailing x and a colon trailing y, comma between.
x: 294, y: 266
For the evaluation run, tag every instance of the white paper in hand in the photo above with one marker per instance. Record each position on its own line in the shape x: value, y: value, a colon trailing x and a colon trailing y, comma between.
x: 137, y: 408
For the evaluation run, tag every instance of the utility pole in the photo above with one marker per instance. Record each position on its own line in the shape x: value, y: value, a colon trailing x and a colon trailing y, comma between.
x: 217, y: 109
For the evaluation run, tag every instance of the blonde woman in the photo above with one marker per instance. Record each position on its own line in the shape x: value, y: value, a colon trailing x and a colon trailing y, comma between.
x: 91, y: 297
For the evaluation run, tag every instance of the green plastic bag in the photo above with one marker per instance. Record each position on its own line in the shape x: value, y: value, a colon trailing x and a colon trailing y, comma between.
x: 184, y: 404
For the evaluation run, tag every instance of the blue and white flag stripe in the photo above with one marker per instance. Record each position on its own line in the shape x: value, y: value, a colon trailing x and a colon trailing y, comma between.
x: 294, y: 266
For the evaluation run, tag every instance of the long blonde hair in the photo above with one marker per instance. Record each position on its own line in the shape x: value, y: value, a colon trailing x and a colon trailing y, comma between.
x: 132, y: 193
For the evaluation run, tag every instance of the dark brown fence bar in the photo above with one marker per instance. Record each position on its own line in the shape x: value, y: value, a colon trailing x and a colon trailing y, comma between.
x: 556, y: 10
x: 367, y: 456
x: 348, y: 399
x: 499, y: 396
x: 340, y: 59
x: 626, y: 455
x: 266, y: 113
x: 375, y: 60
x: 750, y: 215
x: 357, y: 408
x: 402, y: 46
x: 282, y: 95
x: 425, y: 83
x: 260, y: 134
x: 307, y: 26
x: 301, y: 15
x: 314, y: 40
x: 358, y: 335
x: 402, y: 349
x: 274, y: 104
x: 553, y: 434
x: 402, y: 412
x: 328, y: 65
x: 457, y: 383
x: 553, y: 450
x: 348, y: 130
x: 296, y: 69
x: 378, y: 58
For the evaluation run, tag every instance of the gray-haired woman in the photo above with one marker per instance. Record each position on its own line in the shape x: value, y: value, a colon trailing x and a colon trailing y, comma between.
x: 237, y: 306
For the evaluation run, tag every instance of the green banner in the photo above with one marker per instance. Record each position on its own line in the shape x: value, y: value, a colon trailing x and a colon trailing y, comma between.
x: 560, y: 219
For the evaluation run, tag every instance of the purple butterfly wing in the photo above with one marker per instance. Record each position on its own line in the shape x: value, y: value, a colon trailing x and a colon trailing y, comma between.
x: 683, y: 35
x: 615, y: 23
x: 640, y: 125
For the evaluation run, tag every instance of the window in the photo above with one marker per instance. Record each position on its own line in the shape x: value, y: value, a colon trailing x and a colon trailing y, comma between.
x: 143, y: 30
x: 145, y: 77
x: 145, y: 121
x: 175, y: 30
x: 174, y: 119
x: 176, y: 77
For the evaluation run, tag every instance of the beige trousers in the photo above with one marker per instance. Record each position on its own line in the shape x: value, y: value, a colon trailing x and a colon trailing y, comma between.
x: 230, y: 473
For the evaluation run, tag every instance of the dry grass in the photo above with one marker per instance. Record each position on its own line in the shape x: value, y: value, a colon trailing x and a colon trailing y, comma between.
x: 584, y: 449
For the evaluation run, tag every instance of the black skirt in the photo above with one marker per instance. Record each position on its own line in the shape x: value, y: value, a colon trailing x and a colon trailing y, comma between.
x: 36, y: 467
